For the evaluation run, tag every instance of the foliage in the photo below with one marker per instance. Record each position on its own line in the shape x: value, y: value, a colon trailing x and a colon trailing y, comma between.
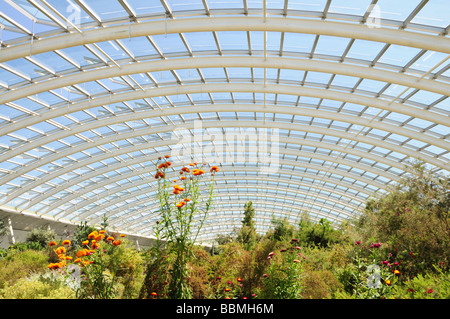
x: 282, y: 230
x: 41, y: 236
x: 282, y: 280
x: 3, y: 229
x: 247, y: 233
x: 180, y: 220
x: 413, y: 220
x: 128, y: 265
x: 319, y: 284
x: 20, y: 264
x: 318, y: 234
x: 81, y: 233
x: 37, y: 288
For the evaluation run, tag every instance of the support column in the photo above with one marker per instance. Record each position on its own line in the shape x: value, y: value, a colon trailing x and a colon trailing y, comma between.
x: 11, y: 232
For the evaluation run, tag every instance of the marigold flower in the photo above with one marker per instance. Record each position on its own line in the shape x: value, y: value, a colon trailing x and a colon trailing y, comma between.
x: 227, y: 289
x: 85, y: 243
x: 116, y: 242
x: 93, y: 235
x: 166, y: 156
x: 52, y: 243
x: 198, y: 172
x: 95, y: 246
x: 185, y: 169
x: 388, y: 282
x: 183, y: 178
x: 110, y: 238
x: 396, y: 272
x: 102, y: 231
x: 214, y: 169
x: 181, y: 204
x: 60, y: 250
x: 122, y: 235
x: 77, y: 260
x: 154, y: 294
x: 159, y: 175
x: 239, y: 279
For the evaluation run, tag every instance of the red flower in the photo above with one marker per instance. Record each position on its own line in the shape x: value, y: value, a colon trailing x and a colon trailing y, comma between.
x: 429, y: 290
x: 239, y: 279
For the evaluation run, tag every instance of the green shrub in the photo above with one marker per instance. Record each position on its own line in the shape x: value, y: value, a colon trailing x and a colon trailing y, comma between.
x: 128, y: 265
x: 412, y: 220
x: 321, y: 284
x: 41, y: 236
x: 37, y: 287
x: 21, y: 264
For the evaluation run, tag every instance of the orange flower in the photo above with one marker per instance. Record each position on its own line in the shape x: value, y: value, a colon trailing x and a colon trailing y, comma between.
x: 77, y: 260
x: 198, y: 172
x: 95, y: 246
x: 183, y: 178
x: 396, y: 272
x: 388, y: 282
x: 214, y: 169
x: 52, y: 243
x: 185, y: 169
x: 85, y: 243
x: 81, y: 253
x: 122, y: 235
x: 93, y: 235
x: 110, y: 238
x: 102, y: 231
x: 181, y: 204
x: 60, y: 250
x: 166, y: 156
x: 159, y: 175
x: 116, y: 242
x: 187, y: 199
x: 154, y: 294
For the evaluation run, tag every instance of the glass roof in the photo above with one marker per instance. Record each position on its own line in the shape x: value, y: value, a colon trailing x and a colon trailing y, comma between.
x: 340, y: 95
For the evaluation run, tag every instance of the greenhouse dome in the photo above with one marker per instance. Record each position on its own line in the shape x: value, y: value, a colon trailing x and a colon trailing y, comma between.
x: 304, y: 106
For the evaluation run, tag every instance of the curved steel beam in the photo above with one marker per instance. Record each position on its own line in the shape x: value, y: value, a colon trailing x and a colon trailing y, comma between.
x: 165, y: 143
x: 253, y: 108
x: 232, y: 61
x: 223, y: 178
x: 277, y: 206
x: 143, y: 171
x: 162, y: 143
x: 231, y: 23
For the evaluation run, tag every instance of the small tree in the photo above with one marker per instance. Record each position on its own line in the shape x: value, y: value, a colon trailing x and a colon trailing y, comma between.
x: 247, y: 234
